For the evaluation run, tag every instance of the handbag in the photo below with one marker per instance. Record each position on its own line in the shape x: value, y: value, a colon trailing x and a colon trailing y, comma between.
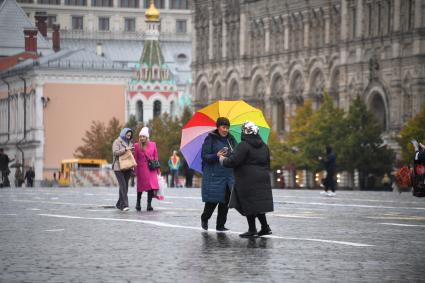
x: 153, y: 164
x: 127, y: 161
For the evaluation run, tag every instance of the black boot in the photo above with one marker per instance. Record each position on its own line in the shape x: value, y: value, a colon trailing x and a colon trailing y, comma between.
x: 249, y: 234
x: 150, y: 196
x: 265, y: 230
x: 139, y: 196
x: 252, y: 230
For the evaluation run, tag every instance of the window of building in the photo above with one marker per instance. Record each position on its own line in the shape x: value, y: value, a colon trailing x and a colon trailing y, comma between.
x: 130, y: 24
x: 139, y: 111
x: 102, y: 3
x: 49, y: 2
x: 25, y: 1
x: 160, y: 4
x: 181, y: 26
x: 51, y: 19
x: 77, y: 22
x: 172, y: 108
x: 156, y: 108
x: 104, y: 24
x: 76, y: 2
x: 129, y: 3
x: 179, y: 4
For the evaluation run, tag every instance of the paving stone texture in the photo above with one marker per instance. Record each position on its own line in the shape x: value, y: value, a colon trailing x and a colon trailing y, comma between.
x: 75, y: 235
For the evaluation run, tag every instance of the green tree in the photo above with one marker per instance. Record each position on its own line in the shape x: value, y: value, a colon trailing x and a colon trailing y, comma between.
x: 414, y: 129
x: 97, y: 141
x: 362, y: 147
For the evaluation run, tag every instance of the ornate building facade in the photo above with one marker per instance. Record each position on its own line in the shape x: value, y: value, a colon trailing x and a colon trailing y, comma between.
x: 152, y: 90
x: 276, y: 54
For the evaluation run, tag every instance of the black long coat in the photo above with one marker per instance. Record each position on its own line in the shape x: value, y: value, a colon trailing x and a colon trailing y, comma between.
x: 252, y: 193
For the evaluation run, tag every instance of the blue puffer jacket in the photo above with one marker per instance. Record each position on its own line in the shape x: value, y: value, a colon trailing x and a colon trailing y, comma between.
x: 215, y: 178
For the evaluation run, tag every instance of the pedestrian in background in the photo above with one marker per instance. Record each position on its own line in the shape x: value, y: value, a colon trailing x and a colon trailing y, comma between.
x: 330, y: 166
x: 252, y: 194
x: 29, y: 177
x: 147, y: 179
x: 217, y: 181
x: 174, y: 165
x: 120, y: 146
x: 4, y: 168
x: 19, y: 177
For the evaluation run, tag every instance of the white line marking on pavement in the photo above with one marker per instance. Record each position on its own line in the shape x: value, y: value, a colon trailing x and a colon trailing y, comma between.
x: 8, y: 214
x: 55, y: 230
x: 352, y: 205
x: 33, y: 209
x: 66, y: 203
x: 163, y: 224
x: 404, y: 225
x: 296, y: 216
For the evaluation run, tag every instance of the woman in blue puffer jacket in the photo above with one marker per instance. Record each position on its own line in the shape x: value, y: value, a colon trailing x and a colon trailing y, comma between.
x: 217, y: 181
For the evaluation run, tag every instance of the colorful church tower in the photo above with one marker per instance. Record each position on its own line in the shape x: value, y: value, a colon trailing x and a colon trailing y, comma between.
x: 152, y: 91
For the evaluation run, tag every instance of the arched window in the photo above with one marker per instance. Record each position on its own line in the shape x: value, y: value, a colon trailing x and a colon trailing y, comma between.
x: 377, y: 107
x: 139, y: 111
x: 156, y: 108
x: 234, y: 90
x: 172, y: 108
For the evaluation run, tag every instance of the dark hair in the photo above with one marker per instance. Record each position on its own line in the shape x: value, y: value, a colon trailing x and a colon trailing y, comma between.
x: 222, y: 121
x: 328, y: 149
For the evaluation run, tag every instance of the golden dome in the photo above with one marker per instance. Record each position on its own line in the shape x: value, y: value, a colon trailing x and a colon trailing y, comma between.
x: 152, y: 13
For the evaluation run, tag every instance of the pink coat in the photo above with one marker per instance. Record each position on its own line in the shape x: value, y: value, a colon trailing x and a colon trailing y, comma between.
x: 146, y: 179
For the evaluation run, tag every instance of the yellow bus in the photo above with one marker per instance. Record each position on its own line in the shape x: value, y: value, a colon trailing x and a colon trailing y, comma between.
x: 71, y: 165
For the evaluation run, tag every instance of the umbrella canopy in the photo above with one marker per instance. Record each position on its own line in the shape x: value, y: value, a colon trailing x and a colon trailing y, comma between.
x: 203, y: 122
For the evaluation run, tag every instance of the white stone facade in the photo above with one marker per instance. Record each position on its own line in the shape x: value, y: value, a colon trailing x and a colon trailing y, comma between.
x: 275, y: 54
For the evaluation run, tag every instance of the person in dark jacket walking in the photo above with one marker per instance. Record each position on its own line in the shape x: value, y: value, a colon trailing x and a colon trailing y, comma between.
x: 252, y: 194
x: 217, y: 181
x: 29, y: 176
x: 119, y: 147
x: 330, y: 167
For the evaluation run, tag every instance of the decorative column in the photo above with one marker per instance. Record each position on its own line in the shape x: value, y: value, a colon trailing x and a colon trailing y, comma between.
x: 327, y: 19
x: 344, y: 17
x: 195, y: 33
x: 306, y: 23
x: 396, y: 22
x: 396, y: 27
x: 224, y: 33
x: 243, y: 36
x: 211, y: 35
x: 359, y: 20
x: 286, y: 32
x: 267, y: 35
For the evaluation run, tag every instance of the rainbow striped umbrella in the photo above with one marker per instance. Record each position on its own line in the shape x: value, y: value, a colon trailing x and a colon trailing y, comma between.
x: 203, y: 122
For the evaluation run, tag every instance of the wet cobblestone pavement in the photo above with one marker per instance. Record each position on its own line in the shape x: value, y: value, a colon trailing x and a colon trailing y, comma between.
x: 75, y: 235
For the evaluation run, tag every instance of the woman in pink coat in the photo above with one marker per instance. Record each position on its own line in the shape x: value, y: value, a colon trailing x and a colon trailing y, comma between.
x: 147, y: 180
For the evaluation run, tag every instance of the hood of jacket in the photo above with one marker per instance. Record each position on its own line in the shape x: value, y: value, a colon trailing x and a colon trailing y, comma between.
x: 253, y: 140
x: 124, y: 132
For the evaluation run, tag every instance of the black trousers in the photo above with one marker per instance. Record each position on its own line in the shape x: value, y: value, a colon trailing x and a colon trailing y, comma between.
x: 122, y: 178
x: 139, y: 197
x: 329, y: 182
x: 223, y: 208
x: 251, y: 221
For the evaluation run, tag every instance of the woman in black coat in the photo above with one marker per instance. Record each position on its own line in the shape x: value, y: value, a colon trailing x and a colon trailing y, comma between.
x: 252, y: 194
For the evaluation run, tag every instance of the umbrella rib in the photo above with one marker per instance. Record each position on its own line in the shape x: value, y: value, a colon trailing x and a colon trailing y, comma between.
x: 231, y: 109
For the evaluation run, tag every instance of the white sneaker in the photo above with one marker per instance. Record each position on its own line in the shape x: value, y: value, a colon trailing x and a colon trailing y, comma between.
x: 324, y: 193
x: 331, y: 194
x: 125, y: 209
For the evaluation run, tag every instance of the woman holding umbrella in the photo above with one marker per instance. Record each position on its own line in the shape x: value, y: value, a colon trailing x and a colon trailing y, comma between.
x: 252, y: 195
x: 216, y: 180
